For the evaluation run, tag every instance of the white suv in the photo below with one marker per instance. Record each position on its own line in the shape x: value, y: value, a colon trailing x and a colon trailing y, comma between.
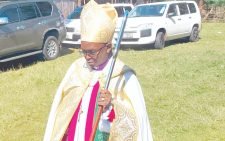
x: 73, y: 22
x: 158, y: 22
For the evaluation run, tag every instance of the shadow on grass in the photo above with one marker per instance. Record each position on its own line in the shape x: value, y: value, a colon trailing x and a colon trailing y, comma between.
x: 20, y: 63
x: 151, y: 46
x: 175, y: 42
x: 66, y: 50
x: 138, y: 47
x: 178, y: 41
x: 135, y: 47
x: 28, y: 61
x: 70, y: 46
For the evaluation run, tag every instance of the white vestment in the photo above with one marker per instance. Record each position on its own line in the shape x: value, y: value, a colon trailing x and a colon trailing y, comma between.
x: 131, y: 120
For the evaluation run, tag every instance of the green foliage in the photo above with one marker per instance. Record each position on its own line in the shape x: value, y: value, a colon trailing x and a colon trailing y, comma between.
x: 216, y: 2
x: 183, y: 85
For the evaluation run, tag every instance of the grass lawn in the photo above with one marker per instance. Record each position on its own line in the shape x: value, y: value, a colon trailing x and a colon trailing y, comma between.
x: 183, y: 85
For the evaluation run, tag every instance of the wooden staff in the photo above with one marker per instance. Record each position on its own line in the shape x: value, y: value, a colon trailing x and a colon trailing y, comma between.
x: 115, y: 54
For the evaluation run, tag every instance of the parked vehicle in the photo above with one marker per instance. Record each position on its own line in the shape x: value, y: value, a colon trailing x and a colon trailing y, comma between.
x: 73, y: 22
x: 158, y: 22
x: 30, y: 27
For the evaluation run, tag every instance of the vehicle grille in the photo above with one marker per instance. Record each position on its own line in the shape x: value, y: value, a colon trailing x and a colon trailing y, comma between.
x: 130, y: 40
x: 69, y: 29
x: 75, y: 38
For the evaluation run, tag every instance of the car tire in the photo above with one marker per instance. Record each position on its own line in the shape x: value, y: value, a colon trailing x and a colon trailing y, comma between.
x: 194, y: 34
x: 159, y: 40
x: 51, y: 48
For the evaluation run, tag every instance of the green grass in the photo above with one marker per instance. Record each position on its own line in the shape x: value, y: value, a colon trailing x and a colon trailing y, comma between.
x: 183, y: 85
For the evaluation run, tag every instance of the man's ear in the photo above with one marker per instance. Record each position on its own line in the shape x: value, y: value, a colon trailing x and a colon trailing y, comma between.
x: 109, y: 47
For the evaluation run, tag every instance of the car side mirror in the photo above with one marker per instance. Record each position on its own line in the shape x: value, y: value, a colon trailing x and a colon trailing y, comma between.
x: 4, y: 20
x: 171, y: 14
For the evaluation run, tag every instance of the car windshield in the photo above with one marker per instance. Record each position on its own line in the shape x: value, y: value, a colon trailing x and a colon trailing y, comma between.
x: 148, y: 11
x: 75, y: 14
x: 120, y: 10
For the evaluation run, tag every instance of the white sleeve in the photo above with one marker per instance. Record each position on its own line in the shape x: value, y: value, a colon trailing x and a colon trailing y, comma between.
x: 133, y: 90
x: 55, y: 104
x: 104, y: 123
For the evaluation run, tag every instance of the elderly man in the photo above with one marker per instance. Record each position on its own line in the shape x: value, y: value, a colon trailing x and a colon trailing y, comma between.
x: 75, y: 104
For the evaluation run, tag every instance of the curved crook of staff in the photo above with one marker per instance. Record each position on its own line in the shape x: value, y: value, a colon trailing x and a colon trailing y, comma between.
x: 115, y: 54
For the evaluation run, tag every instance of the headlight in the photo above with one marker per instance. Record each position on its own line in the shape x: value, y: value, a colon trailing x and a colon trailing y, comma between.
x: 69, y: 29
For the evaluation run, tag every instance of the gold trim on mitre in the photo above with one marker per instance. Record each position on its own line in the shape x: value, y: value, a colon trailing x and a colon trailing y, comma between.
x: 98, y: 22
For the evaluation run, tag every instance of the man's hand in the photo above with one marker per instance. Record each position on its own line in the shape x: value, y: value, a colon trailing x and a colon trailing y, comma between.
x: 104, y: 98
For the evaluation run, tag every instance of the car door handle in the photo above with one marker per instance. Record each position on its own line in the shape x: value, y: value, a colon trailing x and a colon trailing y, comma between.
x: 4, y: 36
x: 189, y: 17
x: 20, y: 27
x: 58, y: 23
x: 42, y: 22
x: 179, y: 19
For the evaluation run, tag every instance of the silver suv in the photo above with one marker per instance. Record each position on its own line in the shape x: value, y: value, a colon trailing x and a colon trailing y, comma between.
x: 28, y: 28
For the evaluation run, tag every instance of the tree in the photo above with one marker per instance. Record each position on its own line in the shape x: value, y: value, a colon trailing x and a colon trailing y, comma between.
x: 216, y: 2
x: 212, y: 4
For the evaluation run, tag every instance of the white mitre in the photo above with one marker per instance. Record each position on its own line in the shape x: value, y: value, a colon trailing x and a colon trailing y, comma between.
x: 98, y: 22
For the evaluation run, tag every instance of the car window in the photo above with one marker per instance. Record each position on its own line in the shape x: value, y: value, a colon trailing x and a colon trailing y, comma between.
x: 27, y: 11
x: 183, y: 8
x: 37, y: 11
x: 128, y: 8
x: 11, y: 13
x: 120, y: 11
x: 192, y: 7
x: 148, y: 10
x: 75, y: 14
x: 172, y: 10
x: 45, y: 8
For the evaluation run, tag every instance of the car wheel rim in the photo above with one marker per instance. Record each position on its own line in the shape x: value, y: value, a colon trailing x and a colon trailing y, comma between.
x: 195, y: 34
x: 162, y: 40
x: 51, y: 48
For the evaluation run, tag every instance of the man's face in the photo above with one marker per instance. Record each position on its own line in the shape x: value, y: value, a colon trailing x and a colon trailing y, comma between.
x: 95, y: 53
